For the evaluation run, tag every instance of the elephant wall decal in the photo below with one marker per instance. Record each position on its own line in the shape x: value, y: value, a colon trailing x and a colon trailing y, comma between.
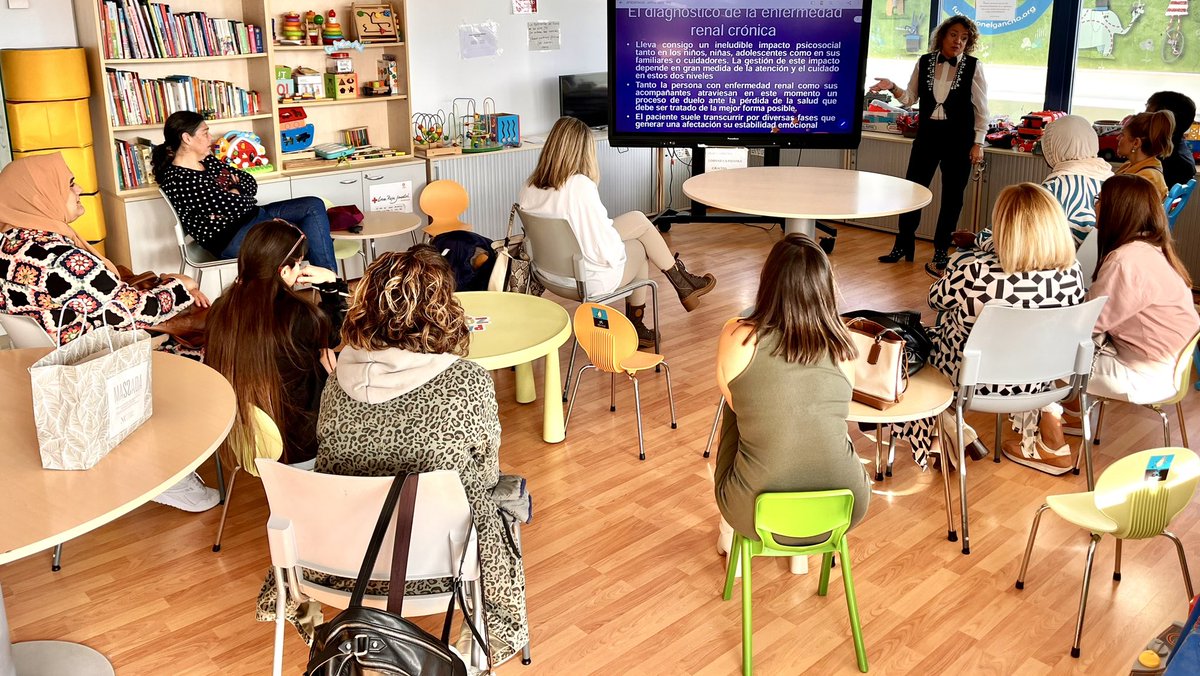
x: 1099, y: 26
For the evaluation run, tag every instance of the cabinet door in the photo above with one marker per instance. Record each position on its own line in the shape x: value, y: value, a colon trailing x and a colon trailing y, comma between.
x: 152, y: 246
x: 341, y: 189
x: 274, y: 191
x: 384, y: 180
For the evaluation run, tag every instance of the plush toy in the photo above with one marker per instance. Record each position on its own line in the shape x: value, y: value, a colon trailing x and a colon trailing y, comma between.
x: 242, y: 149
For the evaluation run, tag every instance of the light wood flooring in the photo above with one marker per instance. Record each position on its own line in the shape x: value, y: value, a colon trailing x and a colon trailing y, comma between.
x: 623, y: 577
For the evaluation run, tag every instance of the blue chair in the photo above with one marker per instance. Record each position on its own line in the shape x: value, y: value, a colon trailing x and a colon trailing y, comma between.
x: 1177, y: 199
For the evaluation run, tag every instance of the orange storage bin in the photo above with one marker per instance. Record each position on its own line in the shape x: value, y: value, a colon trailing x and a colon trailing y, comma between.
x: 44, y: 74
x: 90, y: 226
x: 52, y: 124
x: 81, y: 162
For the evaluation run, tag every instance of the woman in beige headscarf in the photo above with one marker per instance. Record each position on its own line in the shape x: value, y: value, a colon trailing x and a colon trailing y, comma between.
x: 1071, y: 148
x: 44, y: 263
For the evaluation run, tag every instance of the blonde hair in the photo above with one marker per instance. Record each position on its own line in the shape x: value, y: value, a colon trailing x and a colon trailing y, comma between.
x: 406, y: 300
x: 1031, y: 231
x: 569, y: 150
x: 1153, y: 132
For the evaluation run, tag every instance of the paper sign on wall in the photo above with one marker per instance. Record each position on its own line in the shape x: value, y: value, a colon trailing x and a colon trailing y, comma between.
x: 995, y: 10
x: 392, y: 197
x: 478, y: 39
x: 524, y: 6
x: 716, y: 159
x: 544, y: 36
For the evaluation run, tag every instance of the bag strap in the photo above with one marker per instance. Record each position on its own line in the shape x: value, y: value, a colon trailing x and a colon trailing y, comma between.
x: 512, y: 213
x: 404, y: 522
x: 381, y: 525
x: 456, y: 594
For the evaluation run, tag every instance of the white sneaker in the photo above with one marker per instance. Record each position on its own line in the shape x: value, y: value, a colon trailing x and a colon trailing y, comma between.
x: 190, y: 495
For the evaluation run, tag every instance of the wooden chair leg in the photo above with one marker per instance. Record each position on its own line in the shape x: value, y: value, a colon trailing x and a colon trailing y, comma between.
x: 225, y: 510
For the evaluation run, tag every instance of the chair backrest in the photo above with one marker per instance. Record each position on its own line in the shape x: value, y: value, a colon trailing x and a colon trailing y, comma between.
x: 1088, y: 255
x: 1183, y: 368
x: 606, y: 335
x: 803, y: 515
x: 180, y: 236
x: 1142, y: 507
x: 1016, y: 346
x: 268, y: 442
x: 25, y: 332
x: 444, y: 201
x: 324, y: 522
x: 1177, y: 199
x: 554, y: 250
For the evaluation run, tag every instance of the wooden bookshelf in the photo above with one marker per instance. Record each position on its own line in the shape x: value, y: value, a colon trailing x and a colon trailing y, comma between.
x: 342, y: 102
x: 320, y: 48
x: 212, y: 123
x: 117, y: 63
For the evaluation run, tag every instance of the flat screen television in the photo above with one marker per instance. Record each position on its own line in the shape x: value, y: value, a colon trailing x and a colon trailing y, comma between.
x: 585, y: 96
x: 757, y: 73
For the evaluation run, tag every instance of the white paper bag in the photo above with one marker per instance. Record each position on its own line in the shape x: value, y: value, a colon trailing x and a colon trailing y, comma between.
x: 90, y: 394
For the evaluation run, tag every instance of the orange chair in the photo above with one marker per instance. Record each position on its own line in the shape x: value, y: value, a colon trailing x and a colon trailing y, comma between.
x: 611, y: 343
x: 444, y: 201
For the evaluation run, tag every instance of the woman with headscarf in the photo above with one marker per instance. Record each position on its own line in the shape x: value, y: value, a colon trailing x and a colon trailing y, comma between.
x: 44, y: 264
x: 1071, y: 148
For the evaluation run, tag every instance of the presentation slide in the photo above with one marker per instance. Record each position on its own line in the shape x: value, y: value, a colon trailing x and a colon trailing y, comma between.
x: 737, y: 68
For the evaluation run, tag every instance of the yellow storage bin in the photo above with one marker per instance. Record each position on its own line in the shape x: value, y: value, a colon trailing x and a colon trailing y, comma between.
x: 53, y: 124
x: 90, y: 226
x: 81, y: 162
x: 44, y: 74
x: 99, y: 247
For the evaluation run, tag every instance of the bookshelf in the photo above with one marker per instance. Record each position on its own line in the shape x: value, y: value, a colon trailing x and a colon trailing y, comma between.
x: 244, y: 59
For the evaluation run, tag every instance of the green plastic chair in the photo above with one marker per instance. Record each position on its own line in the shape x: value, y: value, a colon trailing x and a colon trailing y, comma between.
x: 797, y: 515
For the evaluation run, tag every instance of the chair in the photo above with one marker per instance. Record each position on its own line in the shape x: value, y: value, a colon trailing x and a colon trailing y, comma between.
x: 797, y: 515
x: 444, y: 201
x: 557, y: 262
x: 1177, y: 199
x: 1128, y: 505
x: 610, y: 341
x: 1183, y: 367
x: 25, y: 332
x: 268, y: 443
x: 1087, y: 255
x: 323, y: 522
x: 1016, y: 346
x: 191, y: 254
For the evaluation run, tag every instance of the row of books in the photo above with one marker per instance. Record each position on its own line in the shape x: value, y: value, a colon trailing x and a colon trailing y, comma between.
x: 134, y: 100
x: 133, y: 163
x: 137, y: 29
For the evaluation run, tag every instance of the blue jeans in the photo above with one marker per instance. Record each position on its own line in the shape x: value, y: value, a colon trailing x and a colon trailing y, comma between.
x: 306, y: 213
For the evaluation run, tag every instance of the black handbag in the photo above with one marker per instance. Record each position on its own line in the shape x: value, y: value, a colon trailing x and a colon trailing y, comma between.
x: 906, y: 323
x: 360, y: 640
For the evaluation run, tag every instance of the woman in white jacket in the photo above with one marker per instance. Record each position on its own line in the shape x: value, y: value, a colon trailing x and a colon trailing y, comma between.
x: 616, y: 251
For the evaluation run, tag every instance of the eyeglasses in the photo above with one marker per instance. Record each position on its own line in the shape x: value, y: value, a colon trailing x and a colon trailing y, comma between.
x: 295, y: 246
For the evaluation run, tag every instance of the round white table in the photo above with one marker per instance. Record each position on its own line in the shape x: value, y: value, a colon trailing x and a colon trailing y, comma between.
x: 379, y: 224
x: 193, y: 412
x: 521, y: 328
x: 801, y: 195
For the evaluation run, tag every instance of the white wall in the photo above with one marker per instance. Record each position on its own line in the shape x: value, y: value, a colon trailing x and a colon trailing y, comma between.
x: 47, y: 23
x: 521, y: 81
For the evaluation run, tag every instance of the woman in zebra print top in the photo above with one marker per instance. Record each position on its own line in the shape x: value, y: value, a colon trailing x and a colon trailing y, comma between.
x: 1070, y: 146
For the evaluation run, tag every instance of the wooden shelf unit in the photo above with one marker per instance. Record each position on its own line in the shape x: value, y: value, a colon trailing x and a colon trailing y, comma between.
x: 321, y: 48
x: 117, y: 63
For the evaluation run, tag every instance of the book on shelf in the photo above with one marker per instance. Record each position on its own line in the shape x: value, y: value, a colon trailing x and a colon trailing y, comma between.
x: 136, y: 29
x: 134, y: 100
x: 133, y: 163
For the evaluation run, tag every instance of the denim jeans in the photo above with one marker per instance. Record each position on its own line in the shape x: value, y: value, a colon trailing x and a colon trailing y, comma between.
x: 306, y: 213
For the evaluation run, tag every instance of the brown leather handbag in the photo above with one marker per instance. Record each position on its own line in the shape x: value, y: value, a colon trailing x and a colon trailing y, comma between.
x: 881, y: 368
x: 188, y: 328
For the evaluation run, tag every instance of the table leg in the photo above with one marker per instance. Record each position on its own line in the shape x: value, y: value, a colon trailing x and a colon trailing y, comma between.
x: 366, y: 252
x: 879, y: 452
x: 526, y: 392
x: 552, y: 416
x: 35, y: 658
x: 804, y: 226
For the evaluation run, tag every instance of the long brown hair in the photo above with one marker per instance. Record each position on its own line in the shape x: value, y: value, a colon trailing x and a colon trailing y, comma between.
x: 939, y: 35
x: 569, y: 150
x: 796, y: 297
x: 1131, y: 211
x: 406, y: 300
x: 1153, y: 132
x: 250, y: 328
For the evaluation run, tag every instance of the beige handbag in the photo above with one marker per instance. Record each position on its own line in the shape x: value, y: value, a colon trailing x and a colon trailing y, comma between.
x: 880, y: 369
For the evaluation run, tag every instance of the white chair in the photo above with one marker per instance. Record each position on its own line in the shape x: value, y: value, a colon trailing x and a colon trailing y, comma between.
x: 1088, y: 255
x: 557, y: 262
x: 191, y: 254
x: 268, y: 443
x: 25, y: 332
x: 324, y: 522
x: 1019, y: 346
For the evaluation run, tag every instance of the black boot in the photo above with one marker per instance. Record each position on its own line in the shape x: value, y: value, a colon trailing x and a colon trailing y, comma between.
x: 637, y: 315
x: 689, y: 287
x: 898, y: 252
x: 937, y: 267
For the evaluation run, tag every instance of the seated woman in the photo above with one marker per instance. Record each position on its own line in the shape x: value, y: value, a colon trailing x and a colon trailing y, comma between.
x: 404, y: 399
x: 785, y: 372
x: 272, y: 344
x: 1146, y: 138
x: 1033, y: 266
x: 44, y: 264
x: 216, y: 203
x: 1149, y: 316
x: 1070, y: 146
x: 1178, y: 166
x: 616, y: 251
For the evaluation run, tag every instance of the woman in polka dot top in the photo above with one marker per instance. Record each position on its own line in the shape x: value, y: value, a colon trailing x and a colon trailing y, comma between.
x: 216, y: 203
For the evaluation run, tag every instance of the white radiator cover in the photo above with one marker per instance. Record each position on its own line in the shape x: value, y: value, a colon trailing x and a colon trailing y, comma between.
x: 493, y: 180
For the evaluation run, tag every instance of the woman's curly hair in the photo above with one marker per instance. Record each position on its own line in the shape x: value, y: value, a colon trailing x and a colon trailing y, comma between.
x: 406, y: 300
x: 939, y: 35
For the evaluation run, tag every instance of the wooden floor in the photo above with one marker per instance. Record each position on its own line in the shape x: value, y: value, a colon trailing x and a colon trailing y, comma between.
x: 622, y: 572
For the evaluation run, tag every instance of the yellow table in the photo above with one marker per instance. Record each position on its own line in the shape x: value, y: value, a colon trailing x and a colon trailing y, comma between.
x: 520, y: 329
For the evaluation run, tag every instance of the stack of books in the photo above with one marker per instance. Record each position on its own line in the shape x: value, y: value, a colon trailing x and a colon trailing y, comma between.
x: 134, y: 100
x: 133, y: 163
x: 136, y: 29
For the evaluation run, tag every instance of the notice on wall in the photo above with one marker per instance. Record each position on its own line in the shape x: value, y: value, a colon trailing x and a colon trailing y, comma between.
x: 477, y: 40
x: 524, y: 6
x: 544, y: 36
x: 718, y: 159
x: 392, y: 197
x: 995, y: 10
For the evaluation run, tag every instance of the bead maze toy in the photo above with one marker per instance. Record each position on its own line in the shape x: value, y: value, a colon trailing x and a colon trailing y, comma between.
x: 431, y: 136
x: 374, y: 23
x: 472, y: 129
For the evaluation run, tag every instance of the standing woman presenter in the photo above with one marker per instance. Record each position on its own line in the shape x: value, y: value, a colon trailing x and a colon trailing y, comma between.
x: 953, y: 117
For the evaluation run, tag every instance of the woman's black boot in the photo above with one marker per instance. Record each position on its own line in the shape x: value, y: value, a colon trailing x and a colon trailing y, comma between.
x: 897, y: 253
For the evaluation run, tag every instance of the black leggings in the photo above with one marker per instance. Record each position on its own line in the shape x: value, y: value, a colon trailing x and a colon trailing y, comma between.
x: 936, y: 145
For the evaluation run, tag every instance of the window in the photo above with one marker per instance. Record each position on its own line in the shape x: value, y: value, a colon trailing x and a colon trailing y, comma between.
x: 899, y: 34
